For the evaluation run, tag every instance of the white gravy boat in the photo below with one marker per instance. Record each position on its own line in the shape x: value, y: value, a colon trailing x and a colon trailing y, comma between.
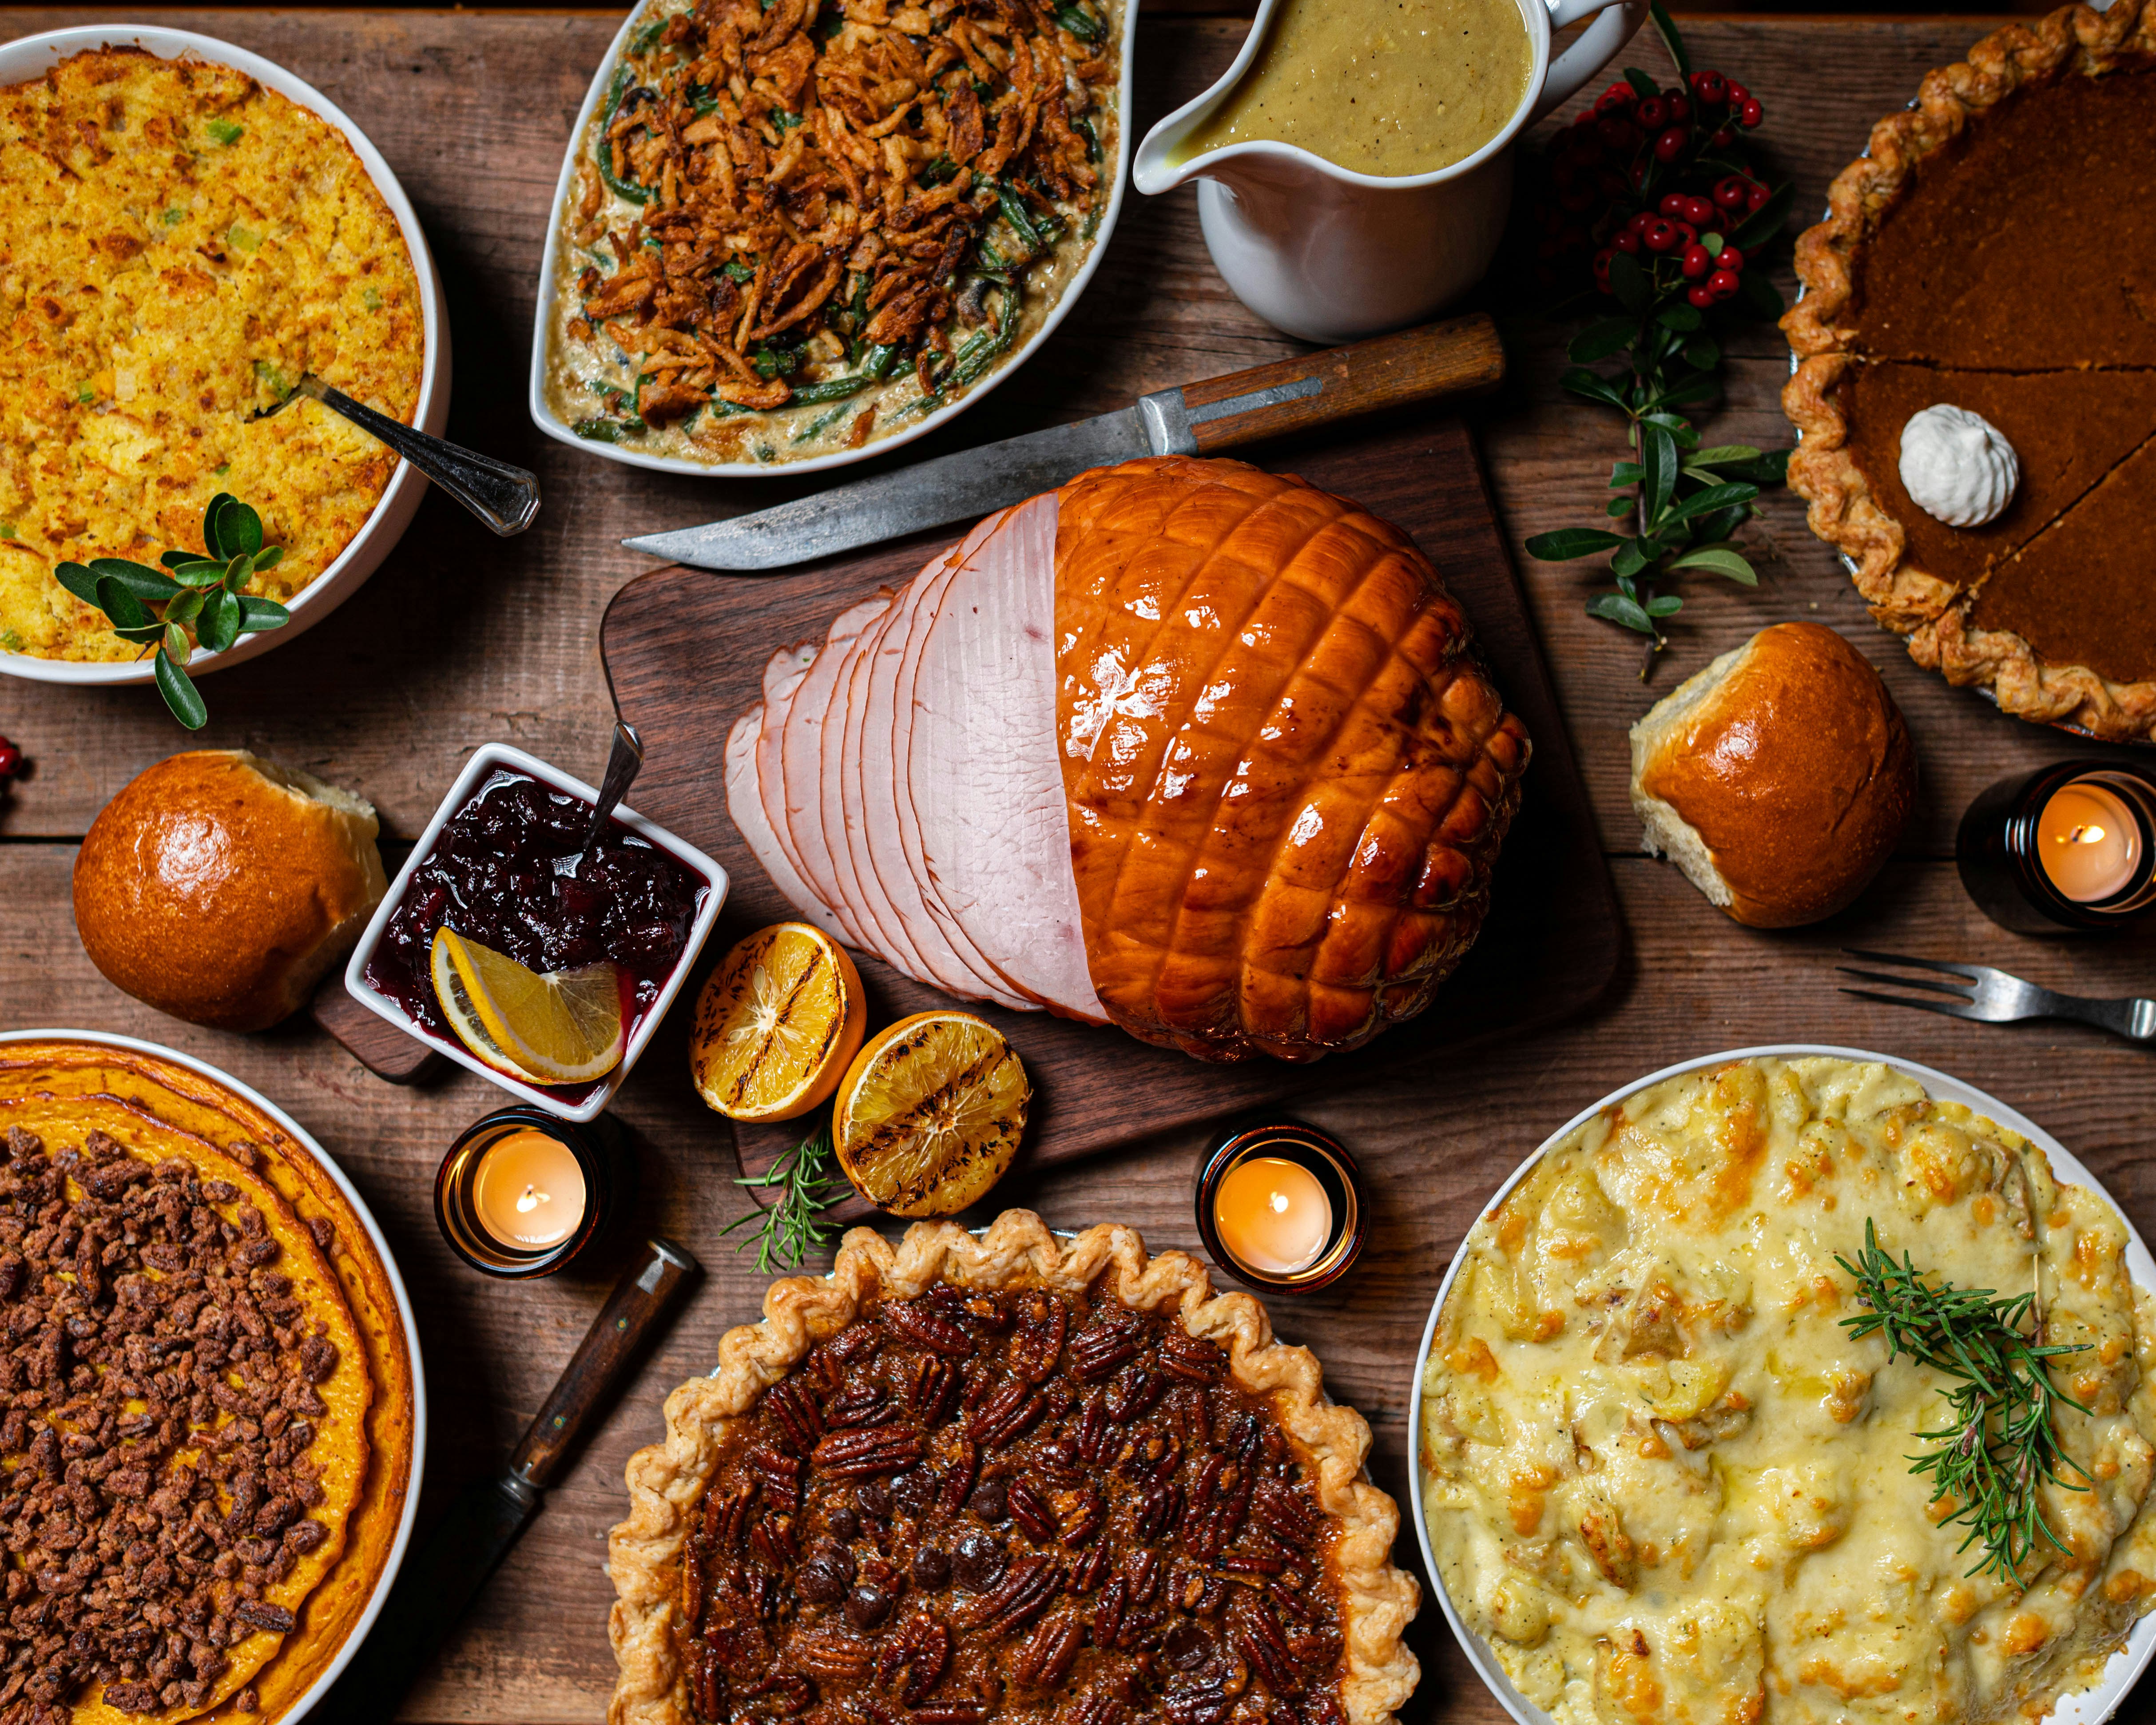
x: 1330, y: 255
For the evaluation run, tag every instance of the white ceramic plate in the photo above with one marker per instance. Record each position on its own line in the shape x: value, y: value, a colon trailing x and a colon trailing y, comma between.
x: 405, y: 1318
x: 31, y: 57
x: 2091, y: 1705
x: 548, y: 421
x: 485, y: 761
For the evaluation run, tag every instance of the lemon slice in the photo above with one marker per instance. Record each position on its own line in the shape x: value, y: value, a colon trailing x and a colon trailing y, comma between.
x: 562, y: 1028
x: 929, y: 1116
x: 776, y: 1023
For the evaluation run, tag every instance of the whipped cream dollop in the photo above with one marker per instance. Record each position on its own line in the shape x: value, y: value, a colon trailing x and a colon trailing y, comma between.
x: 1957, y: 466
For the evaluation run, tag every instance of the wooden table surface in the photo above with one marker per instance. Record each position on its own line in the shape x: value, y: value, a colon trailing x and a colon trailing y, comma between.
x: 461, y: 638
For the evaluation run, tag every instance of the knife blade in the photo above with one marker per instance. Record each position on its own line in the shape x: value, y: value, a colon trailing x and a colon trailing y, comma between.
x: 1418, y: 367
x: 439, y: 1581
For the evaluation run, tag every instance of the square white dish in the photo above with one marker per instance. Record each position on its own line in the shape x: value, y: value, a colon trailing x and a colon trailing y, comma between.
x: 30, y: 57
x: 489, y: 758
x: 556, y: 427
x: 2091, y: 1705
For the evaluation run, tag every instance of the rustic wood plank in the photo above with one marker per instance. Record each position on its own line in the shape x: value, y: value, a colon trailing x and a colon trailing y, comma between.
x: 460, y: 639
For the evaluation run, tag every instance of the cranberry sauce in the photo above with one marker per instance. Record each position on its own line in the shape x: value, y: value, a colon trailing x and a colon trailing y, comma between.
x: 509, y: 870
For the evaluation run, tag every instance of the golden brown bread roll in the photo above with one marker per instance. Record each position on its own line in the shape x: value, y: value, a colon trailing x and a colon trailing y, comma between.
x: 1778, y: 779
x: 219, y: 887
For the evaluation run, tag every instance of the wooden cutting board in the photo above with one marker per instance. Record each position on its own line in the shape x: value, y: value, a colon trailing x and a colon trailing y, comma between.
x: 684, y: 650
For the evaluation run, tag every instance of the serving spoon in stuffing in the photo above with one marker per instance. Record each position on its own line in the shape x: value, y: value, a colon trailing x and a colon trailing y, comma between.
x: 506, y: 498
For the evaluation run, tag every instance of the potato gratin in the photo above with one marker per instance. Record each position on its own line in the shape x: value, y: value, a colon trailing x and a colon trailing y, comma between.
x: 177, y: 245
x: 1663, y: 1482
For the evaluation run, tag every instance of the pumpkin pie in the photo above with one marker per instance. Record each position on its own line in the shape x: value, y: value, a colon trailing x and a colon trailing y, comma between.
x: 971, y: 1479
x: 1939, y: 277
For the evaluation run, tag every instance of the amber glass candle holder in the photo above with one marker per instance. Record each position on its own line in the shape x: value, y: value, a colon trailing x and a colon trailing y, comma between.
x: 1243, y: 1166
x: 494, y: 1185
x: 2070, y: 848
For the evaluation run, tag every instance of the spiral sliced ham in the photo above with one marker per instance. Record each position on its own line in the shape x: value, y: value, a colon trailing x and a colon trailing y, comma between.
x: 1184, y: 746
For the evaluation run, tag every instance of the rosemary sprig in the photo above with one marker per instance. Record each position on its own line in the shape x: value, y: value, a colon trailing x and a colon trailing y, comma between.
x: 790, y: 1229
x: 2001, y: 1449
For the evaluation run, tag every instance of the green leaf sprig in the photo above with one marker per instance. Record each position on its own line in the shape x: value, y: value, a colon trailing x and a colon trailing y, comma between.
x: 792, y: 1227
x: 204, y: 591
x: 1682, y: 503
x: 2001, y: 1449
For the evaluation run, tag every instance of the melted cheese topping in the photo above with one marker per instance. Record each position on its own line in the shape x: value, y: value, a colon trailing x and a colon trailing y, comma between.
x: 1665, y: 1484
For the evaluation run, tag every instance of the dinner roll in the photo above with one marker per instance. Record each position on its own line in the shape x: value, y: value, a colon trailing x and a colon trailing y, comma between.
x: 1778, y: 777
x: 219, y: 887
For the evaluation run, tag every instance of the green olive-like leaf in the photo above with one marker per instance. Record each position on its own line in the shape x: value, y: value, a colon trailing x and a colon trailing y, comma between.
x: 1615, y: 608
x: 199, y: 573
x: 77, y: 579
x: 186, y: 607
x: 181, y: 695
x: 145, y: 583
x: 238, y: 573
x: 256, y: 615
x: 1568, y: 543
x: 268, y: 557
x: 176, y: 647
x: 219, y: 627
x: 121, y: 606
x: 148, y: 632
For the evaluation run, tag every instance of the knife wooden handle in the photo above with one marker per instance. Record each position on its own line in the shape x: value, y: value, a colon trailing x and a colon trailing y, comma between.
x: 639, y: 1300
x: 1435, y: 362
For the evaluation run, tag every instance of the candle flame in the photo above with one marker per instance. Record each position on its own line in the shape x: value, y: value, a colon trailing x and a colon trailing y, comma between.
x: 530, y: 1199
x: 2086, y: 833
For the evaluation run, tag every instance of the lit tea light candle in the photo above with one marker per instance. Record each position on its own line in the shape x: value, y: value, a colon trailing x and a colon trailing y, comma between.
x: 528, y: 1190
x: 523, y: 1194
x: 2088, y: 841
x: 1272, y: 1215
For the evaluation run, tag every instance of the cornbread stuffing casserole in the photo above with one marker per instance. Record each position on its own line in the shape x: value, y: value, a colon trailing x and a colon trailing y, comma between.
x: 177, y: 245
x: 1663, y: 1482
x: 206, y: 1405
x: 1008, y: 1480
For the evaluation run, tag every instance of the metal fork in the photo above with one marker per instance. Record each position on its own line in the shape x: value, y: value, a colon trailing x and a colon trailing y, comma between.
x: 1992, y: 996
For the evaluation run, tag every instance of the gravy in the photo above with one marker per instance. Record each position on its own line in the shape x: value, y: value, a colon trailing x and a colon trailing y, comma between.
x: 1389, y: 87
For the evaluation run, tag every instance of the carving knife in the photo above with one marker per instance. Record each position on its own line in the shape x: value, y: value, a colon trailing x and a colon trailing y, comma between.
x: 443, y: 1575
x: 1418, y: 367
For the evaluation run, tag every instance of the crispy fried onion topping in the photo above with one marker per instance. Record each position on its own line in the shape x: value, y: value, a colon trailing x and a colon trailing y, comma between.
x: 826, y: 189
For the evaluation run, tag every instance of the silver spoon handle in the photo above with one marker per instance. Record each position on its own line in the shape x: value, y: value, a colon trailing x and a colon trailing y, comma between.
x: 506, y: 498
x: 623, y: 764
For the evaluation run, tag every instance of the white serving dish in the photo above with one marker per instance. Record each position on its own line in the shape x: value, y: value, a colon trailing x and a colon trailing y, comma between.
x: 31, y: 57
x: 545, y: 417
x: 405, y: 1317
x: 2091, y: 1705
x: 486, y: 760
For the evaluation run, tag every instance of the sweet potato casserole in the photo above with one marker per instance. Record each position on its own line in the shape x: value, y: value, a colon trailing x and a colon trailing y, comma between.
x: 1667, y: 1479
x: 795, y: 229
x: 177, y: 245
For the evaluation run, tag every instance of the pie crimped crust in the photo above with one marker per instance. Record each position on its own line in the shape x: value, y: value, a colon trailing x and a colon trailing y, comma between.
x: 1952, y: 623
x: 708, y: 1421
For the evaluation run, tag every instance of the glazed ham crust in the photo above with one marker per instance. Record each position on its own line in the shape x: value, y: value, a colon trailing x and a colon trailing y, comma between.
x: 1287, y: 774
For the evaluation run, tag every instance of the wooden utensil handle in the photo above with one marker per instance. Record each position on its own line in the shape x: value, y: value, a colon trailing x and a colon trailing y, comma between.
x: 617, y: 1334
x: 1433, y: 362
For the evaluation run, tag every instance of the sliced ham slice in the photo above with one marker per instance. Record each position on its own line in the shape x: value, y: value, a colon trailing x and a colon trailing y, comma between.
x: 800, y: 765
x: 745, y: 803
x: 781, y: 681
x: 854, y: 891
x: 983, y: 771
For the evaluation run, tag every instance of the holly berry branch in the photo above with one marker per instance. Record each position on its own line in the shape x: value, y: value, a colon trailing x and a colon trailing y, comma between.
x: 1656, y: 195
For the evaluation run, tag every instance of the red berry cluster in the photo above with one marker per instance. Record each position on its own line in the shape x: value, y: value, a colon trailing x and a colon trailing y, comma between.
x: 11, y: 760
x: 1652, y: 174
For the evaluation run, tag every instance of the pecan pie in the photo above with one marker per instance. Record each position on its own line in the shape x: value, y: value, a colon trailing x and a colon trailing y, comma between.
x: 964, y: 1481
x: 205, y: 1403
x: 1937, y: 278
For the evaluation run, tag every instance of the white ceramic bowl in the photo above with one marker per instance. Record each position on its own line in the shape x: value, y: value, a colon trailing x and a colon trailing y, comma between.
x: 548, y: 421
x: 405, y: 1317
x: 31, y: 57
x: 2091, y: 1705
x: 485, y: 761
